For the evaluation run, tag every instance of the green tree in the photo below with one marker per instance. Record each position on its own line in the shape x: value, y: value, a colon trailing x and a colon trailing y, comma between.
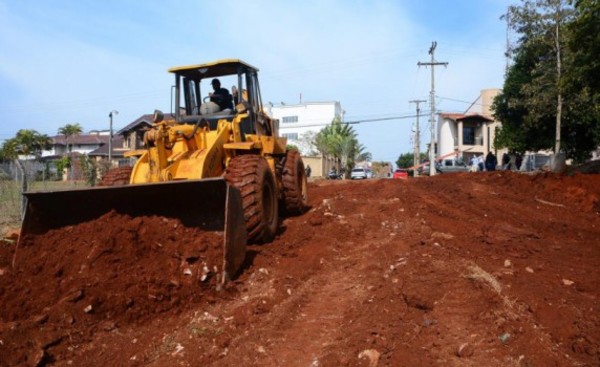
x: 339, y: 141
x: 69, y: 131
x: 519, y: 132
x: 406, y: 160
x: 536, y: 106
x: 26, y: 143
x: 89, y: 169
x: 582, y: 81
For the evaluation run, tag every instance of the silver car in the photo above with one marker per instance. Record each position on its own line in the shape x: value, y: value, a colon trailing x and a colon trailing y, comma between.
x: 359, y: 173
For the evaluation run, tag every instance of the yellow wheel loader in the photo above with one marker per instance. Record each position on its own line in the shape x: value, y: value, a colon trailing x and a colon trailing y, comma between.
x: 218, y: 166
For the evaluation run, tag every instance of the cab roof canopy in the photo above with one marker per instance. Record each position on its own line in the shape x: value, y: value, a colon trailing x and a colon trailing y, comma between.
x: 213, y: 69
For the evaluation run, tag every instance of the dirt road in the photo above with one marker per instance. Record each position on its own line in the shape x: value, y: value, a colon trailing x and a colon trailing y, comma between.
x: 484, y: 269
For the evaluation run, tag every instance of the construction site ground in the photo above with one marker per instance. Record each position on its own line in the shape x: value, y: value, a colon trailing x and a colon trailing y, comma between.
x: 474, y: 269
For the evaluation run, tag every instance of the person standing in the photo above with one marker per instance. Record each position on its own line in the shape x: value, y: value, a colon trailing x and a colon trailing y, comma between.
x: 480, y: 163
x: 474, y: 163
x: 505, y: 160
x: 490, y: 162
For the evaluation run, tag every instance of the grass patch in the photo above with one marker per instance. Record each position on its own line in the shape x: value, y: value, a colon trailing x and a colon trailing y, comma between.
x: 10, y: 204
x: 477, y: 273
x: 10, y: 198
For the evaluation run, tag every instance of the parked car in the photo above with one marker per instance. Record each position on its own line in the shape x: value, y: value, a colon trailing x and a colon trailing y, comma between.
x: 450, y: 165
x: 359, y: 173
x: 400, y: 173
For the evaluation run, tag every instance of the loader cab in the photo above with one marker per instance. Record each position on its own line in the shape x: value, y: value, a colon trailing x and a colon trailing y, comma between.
x: 193, y: 85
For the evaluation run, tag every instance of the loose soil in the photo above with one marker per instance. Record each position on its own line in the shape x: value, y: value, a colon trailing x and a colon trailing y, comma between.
x: 478, y: 269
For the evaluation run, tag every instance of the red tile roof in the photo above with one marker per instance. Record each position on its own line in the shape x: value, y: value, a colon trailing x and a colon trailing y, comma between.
x: 462, y: 116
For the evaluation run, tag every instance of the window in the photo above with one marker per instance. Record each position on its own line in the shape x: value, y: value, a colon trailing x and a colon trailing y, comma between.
x: 468, y: 135
x: 289, y: 119
x: 291, y: 136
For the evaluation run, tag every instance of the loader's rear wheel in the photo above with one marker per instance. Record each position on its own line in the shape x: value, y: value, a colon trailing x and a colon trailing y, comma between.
x: 295, y: 193
x: 253, y: 177
x: 116, y: 176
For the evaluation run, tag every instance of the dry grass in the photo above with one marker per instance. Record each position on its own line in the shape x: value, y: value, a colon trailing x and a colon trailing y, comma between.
x: 477, y: 273
x: 10, y: 204
x: 10, y: 199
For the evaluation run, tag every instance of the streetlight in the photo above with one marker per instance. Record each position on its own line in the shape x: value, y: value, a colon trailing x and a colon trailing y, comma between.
x: 113, y: 112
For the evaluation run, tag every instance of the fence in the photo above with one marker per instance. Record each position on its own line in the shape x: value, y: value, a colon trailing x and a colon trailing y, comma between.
x: 40, y: 176
x: 10, y: 195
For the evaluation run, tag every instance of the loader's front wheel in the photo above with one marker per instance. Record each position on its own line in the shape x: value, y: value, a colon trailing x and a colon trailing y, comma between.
x: 116, y: 176
x: 253, y: 177
x: 295, y: 193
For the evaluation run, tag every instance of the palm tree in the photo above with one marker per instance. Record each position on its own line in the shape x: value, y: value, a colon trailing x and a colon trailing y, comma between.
x: 339, y: 141
x: 68, y: 131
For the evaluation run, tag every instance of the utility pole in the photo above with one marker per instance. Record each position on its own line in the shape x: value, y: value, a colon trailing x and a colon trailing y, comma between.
x: 417, y: 154
x: 507, y: 53
x: 433, y: 64
x: 115, y: 112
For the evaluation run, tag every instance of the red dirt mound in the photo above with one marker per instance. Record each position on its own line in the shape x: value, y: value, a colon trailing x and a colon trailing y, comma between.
x: 100, y: 275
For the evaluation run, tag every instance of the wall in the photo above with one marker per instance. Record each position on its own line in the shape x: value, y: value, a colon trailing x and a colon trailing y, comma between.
x: 447, y: 133
x: 308, y: 117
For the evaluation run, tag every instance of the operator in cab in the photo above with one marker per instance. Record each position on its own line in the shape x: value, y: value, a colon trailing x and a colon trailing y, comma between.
x: 221, y: 96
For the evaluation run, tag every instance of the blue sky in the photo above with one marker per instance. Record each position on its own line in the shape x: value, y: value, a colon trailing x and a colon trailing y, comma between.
x: 75, y: 61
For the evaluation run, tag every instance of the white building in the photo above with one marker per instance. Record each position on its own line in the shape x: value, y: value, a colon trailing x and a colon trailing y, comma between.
x: 468, y: 134
x: 299, y: 120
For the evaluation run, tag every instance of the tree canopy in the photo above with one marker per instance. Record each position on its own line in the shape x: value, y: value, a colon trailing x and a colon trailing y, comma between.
x: 550, y: 96
x: 406, y: 160
x: 68, y: 131
x: 339, y: 141
x: 27, y: 143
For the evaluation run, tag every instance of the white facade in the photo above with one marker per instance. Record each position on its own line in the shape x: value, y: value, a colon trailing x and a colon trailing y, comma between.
x: 471, y: 133
x: 447, y: 136
x: 296, y: 120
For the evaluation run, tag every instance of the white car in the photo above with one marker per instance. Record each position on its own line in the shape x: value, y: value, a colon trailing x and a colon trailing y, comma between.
x: 359, y: 173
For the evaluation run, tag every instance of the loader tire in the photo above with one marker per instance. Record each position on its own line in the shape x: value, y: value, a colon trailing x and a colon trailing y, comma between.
x: 116, y: 177
x: 252, y: 176
x: 295, y: 193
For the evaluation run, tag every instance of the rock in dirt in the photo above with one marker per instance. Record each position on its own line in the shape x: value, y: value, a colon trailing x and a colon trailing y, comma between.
x: 465, y: 350
x: 40, y: 319
x: 38, y: 358
x: 73, y: 296
x: 372, y: 355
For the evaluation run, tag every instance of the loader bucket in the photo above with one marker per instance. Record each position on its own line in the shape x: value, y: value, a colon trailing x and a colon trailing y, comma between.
x: 210, y: 204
